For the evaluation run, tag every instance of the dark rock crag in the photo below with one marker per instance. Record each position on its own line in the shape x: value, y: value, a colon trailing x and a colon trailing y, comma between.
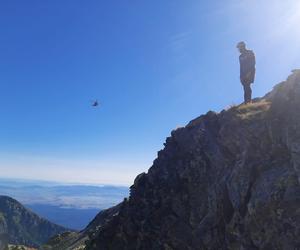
x: 225, y: 181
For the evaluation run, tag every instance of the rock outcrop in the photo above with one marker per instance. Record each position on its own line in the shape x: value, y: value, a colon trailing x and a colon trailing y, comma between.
x: 225, y: 181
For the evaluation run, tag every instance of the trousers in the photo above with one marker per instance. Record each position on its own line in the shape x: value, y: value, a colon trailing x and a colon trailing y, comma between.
x: 247, y: 92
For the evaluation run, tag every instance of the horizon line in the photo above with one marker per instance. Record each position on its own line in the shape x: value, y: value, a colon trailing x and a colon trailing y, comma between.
x: 60, y: 183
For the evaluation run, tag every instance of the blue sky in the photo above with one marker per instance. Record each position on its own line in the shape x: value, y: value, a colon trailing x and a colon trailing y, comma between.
x: 153, y: 65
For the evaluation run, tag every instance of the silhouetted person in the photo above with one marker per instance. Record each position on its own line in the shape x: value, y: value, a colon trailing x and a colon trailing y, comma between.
x: 247, y: 70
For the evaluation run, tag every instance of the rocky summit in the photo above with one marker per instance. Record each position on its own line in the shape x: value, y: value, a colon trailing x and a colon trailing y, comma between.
x: 227, y: 180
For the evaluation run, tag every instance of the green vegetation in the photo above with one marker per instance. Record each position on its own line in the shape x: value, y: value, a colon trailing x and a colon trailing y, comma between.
x: 252, y: 110
x: 20, y: 247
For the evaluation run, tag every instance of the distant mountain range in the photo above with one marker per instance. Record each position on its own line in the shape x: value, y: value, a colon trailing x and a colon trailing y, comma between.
x: 72, y: 206
x: 69, y: 217
x: 20, y: 226
x: 62, y: 195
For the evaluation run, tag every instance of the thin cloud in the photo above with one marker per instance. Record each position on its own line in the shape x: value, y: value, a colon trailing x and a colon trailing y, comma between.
x: 178, y: 44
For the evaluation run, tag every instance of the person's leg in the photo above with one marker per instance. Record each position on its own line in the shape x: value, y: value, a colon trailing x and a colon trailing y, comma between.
x: 247, y: 92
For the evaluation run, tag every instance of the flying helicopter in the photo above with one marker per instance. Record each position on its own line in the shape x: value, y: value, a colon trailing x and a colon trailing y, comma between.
x: 95, y: 103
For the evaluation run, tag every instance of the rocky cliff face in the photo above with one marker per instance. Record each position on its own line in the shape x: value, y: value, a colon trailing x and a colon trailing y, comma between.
x: 22, y: 227
x: 225, y: 181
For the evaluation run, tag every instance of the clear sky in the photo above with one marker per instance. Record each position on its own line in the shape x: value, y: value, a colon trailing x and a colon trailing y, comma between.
x: 153, y: 65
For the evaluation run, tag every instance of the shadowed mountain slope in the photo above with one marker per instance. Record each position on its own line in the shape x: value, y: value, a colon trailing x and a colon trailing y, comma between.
x: 20, y: 226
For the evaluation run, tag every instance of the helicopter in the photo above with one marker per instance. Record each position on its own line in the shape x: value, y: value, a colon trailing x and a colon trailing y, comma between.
x: 95, y: 103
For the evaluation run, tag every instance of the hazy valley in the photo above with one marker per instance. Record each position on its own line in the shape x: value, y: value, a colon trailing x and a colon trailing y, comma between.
x: 72, y: 206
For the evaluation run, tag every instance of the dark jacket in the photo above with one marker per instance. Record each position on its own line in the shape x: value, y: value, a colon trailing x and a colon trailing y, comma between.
x: 247, y: 64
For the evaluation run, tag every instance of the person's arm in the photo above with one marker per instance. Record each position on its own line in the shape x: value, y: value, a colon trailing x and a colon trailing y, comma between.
x: 253, y: 59
x: 241, y: 66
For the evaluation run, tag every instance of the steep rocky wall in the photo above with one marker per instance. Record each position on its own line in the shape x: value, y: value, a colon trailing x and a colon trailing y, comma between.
x: 225, y: 181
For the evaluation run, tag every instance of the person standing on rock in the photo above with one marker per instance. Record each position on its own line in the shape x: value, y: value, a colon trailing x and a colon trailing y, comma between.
x: 247, y: 70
